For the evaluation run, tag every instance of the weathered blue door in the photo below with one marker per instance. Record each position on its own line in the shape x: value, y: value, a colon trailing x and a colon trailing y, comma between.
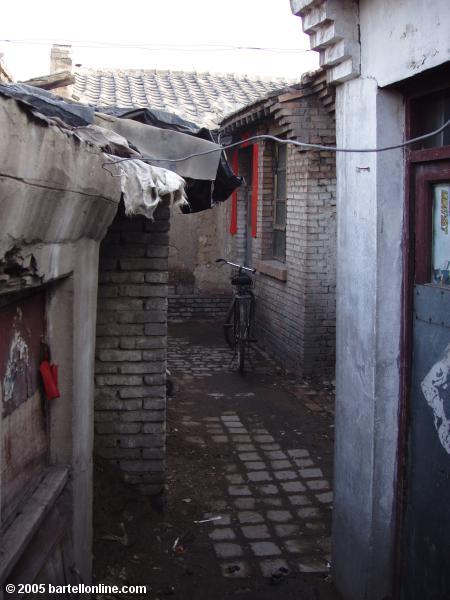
x: 426, y: 531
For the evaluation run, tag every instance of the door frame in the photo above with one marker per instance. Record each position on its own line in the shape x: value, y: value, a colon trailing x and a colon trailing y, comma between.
x: 420, y: 87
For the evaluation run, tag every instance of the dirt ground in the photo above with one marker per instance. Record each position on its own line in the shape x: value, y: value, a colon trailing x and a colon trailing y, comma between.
x: 140, y: 542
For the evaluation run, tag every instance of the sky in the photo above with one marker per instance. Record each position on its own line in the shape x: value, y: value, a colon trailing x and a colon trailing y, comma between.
x: 200, y: 35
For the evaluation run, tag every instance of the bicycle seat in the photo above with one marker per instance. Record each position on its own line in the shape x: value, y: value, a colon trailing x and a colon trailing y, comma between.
x: 241, y: 280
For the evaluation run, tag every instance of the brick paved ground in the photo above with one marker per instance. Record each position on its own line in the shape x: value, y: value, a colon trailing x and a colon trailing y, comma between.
x: 270, y: 486
x: 254, y: 450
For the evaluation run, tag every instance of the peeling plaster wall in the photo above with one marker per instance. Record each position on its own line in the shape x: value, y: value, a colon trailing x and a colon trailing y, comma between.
x: 21, y: 324
x: 397, y: 40
x: 369, y: 277
x: 198, y: 287
x: 56, y: 203
x: 196, y: 241
x: 61, y: 201
x: 404, y: 38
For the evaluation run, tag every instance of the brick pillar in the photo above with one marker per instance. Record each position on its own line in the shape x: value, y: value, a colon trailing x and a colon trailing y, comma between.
x: 130, y: 404
x: 60, y: 58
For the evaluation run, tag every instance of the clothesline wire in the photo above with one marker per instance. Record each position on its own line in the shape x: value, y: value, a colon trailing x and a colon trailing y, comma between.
x: 278, y: 140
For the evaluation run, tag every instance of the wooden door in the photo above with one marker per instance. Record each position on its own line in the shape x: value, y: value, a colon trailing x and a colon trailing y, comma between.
x: 426, y: 528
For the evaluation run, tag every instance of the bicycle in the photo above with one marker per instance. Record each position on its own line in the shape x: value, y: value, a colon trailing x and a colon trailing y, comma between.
x: 239, y: 319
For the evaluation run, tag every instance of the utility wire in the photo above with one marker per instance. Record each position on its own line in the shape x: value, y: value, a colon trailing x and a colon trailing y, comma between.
x: 278, y: 140
x: 156, y: 46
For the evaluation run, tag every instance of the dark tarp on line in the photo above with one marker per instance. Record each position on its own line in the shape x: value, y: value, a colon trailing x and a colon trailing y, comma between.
x: 201, y: 195
x: 49, y: 105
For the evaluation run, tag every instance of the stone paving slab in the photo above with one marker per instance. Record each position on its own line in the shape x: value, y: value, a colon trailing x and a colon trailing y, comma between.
x: 256, y: 532
x: 276, y: 502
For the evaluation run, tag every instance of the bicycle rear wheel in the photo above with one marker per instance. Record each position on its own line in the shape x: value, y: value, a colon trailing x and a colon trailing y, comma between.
x: 241, y: 342
x: 240, y: 353
x: 229, y: 326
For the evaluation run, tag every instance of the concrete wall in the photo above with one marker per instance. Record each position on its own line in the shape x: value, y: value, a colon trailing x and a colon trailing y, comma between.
x: 51, y: 222
x: 398, y: 40
x: 130, y: 379
x: 369, y: 279
x: 413, y: 33
x: 56, y: 204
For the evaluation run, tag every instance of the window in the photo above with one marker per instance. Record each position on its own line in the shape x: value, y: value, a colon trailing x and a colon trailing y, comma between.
x: 440, y: 259
x: 279, y: 204
x: 430, y: 113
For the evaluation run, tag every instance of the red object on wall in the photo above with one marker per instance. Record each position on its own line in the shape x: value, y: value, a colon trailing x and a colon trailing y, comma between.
x: 255, y: 190
x: 235, y: 166
x: 244, y: 136
x: 49, y: 374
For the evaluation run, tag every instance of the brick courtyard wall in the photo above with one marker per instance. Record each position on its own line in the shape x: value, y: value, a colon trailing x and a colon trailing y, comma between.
x: 130, y: 402
x: 295, y: 315
x: 296, y: 318
x: 193, y: 306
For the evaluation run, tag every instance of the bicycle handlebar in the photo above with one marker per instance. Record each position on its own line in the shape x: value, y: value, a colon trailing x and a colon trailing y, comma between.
x: 240, y: 267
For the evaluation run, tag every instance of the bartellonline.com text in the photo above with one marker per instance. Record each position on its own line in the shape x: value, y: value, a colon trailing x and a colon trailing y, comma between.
x: 81, y: 588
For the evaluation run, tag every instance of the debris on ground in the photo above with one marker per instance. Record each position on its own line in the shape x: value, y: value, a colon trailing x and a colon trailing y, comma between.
x: 278, y: 575
x: 123, y: 539
x: 208, y: 520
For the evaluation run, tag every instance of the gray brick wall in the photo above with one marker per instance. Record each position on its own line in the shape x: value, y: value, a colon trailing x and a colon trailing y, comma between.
x: 296, y: 318
x: 130, y: 397
x: 193, y: 306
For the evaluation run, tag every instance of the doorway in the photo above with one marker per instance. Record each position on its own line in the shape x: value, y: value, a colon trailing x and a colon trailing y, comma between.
x: 425, y: 550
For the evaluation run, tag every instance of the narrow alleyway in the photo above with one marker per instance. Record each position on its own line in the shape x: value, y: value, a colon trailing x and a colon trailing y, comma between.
x: 249, y: 499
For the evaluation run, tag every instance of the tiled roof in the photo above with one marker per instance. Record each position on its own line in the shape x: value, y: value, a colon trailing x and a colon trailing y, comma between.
x: 313, y: 82
x: 204, y: 98
x: 281, y: 111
